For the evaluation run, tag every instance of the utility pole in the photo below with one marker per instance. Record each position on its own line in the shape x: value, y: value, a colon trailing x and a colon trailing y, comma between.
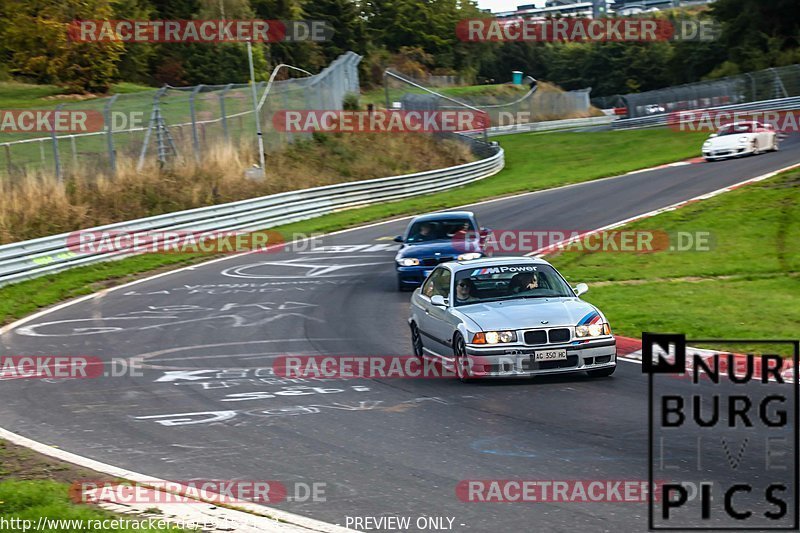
x: 256, y: 114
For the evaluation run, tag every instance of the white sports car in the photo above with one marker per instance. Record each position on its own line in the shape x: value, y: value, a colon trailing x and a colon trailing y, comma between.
x: 740, y: 138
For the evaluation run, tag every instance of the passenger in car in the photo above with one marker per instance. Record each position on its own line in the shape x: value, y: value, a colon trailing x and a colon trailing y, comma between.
x: 522, y: 282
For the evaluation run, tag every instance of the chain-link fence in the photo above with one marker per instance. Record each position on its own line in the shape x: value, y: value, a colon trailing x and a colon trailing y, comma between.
x: 173, y: 121
x: 504, y: 104
x: 772, y: 83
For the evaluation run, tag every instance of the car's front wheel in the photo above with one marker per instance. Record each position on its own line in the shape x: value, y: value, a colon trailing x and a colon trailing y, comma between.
x: 461, y: 359
x: 416, y: 341
x: 602, y: 372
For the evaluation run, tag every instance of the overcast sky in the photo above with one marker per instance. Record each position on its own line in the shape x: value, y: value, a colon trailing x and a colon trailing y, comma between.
x: 505, y: 5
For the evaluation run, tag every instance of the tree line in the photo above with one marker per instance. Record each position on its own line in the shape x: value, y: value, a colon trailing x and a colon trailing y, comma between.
x: 417, y: 37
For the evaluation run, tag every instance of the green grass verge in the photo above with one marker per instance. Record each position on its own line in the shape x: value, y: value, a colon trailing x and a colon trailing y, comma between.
x: 533, y: 162
x: 16, y: 95
x: 747, y: 285
x: 30, y: 500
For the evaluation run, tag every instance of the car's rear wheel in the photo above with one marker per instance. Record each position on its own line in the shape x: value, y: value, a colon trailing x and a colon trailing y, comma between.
x: 416, y: 341
x: 601, y: 373
x: 461, y: 360
x: 775, y: 146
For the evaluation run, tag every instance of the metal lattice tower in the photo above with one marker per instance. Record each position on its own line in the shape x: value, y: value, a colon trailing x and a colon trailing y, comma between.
x: 165, y: 145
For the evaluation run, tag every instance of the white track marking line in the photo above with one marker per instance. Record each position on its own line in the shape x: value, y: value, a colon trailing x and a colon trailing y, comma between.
x: 301, y: 523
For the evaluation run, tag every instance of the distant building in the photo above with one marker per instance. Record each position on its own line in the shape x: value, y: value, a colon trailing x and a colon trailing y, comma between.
x: 594, y: 8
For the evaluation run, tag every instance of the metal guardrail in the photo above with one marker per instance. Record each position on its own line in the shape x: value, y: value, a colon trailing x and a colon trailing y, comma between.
x: 48, y: 255
x: 550, y: 125
x: 779, y: 104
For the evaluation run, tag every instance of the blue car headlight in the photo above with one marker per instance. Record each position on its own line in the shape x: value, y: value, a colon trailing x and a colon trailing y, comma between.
x: 408, y: 261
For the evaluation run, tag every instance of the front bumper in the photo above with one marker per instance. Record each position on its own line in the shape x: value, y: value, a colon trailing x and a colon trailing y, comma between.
x: 517, y: 361
x: 729, y: 152
x: 413, y: 276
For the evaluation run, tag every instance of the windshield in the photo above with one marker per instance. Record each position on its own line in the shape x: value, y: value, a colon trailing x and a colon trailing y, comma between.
x: 734, y: 129
x: 509, y: 282
x: 432, y: 230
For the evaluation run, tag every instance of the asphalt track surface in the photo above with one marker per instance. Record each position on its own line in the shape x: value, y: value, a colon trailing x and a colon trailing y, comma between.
x: 384, y: 447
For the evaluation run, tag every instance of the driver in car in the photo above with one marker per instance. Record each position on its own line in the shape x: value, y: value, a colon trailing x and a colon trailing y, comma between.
x: 465, y: 291
x: 425, y: 232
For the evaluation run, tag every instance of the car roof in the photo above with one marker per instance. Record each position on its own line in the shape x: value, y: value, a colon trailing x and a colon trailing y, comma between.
x: 495, y: 261
x: 740, y: 123
x: 443, y: 214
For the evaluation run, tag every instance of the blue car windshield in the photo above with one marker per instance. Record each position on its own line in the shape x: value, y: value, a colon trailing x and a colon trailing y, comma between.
x: 435, y: 230
x: 509, y: 282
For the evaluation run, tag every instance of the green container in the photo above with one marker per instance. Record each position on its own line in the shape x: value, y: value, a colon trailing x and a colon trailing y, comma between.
x: 516, y: 77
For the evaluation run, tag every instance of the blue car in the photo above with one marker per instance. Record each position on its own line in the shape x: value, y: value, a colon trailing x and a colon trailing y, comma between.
x: 437, y: 238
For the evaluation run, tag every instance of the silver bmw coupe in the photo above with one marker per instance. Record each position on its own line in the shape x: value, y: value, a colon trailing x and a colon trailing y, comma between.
x: 509, y: 317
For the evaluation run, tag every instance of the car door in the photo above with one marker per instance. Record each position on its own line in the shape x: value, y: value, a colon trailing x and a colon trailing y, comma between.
x: 431, y: 319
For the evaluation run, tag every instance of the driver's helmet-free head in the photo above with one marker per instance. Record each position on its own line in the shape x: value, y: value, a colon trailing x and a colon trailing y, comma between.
x: 468, y: 284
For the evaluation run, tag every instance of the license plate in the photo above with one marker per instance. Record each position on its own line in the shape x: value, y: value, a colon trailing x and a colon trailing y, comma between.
x: 550, y: 355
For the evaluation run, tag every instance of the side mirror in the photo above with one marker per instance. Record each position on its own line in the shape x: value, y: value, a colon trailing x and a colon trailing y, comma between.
x: 399, y: 238
x: 438, y: 300
x: 581, y: 288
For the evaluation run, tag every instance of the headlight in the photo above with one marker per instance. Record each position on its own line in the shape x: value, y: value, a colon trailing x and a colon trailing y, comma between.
x: 707, y: 143
x: 469, y: 256
x: 494, y: 337
x: 408, y: 262
x: 593, y: 330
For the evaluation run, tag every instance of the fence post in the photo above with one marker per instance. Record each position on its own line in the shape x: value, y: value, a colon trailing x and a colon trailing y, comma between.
x: 74, y: 153
x: 112, y: 158
x: 56, y: 160
x: 195, y: 139
x: 222, y: 112
x: 8, y: 158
